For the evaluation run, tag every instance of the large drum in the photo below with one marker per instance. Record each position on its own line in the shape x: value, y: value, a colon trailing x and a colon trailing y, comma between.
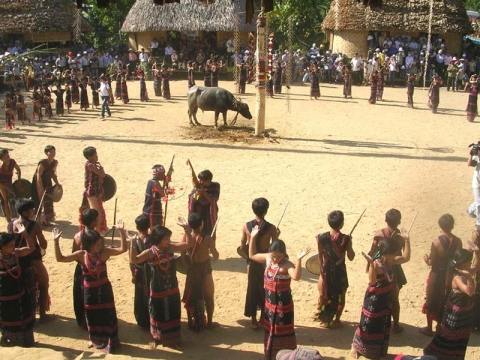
x: 110, y: 187
x: 22, y: 188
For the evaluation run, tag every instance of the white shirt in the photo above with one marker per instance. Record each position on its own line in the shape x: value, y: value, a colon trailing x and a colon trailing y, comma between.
x: 168, y: 50
x: 476, y: 173
x: 85, y: 61
x: 104, y: 88
x: 143, y: 57
x: 355, y: 64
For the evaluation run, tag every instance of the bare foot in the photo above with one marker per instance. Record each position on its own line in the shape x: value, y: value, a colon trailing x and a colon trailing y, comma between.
x: 324, y: 325
x: 152, y: 344
x: 426, y: 331
x: 337, y: 323
x: 211, y: 325
x: 90, y: 345
x: 353, y: 353
x: 397, y: 329
x: 46, y: 318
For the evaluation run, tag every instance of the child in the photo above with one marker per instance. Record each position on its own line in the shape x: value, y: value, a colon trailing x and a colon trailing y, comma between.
x: 165, y: 306
x: 203, y: 199
x: 84, y: 103
x: 190, y: 75
x: 441, y: 254
x: 94, y: 85
x: 124, y: 89
x: 94, y: 191
x: 373, y: 333
x: 141, y: 273
x: 154, y: 194
x: 410, y: 89
x: 143, y: 88
x: 165, y: 82
x: 68, y: 97
x: 59, y: 110
x: 99, y: 302
x: 373, y: 87
x: 9, y: 112
x: 7, y: 195
x: 17, y: 310
x: 450, y: 343
x: 393, y: 219
x: 279, y: 272
x: 199, y: 288
x: 333, y: 280
x: 434, y: 93
x: 255, y: 298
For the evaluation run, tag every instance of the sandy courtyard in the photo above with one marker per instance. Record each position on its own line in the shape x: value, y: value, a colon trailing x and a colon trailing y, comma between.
x: 329, y: 154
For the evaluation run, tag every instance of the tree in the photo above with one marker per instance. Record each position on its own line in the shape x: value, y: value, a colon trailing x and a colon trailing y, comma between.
x: 472, y: 4
x: 307, y: 17
x: 107, y: 23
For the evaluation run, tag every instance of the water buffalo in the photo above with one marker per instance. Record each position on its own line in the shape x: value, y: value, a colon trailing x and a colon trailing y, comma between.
x: 214, y: 99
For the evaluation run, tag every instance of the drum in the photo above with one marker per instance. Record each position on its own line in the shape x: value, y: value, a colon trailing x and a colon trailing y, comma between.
x: 22, y: 188
x: 110, y: 187
x: 56, y: 193
x: 312, y: 265
x: 180, y: 265
x: 241, y: 252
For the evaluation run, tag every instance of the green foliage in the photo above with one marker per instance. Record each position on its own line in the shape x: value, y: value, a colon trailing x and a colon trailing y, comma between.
x: 472, y: 5
x: 307, y: 16
x: 107, y: 23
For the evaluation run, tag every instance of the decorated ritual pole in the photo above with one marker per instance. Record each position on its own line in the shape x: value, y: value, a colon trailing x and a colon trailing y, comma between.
x: 261, y: 82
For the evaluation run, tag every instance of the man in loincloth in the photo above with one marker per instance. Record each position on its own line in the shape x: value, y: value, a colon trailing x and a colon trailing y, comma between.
x: 199, y: 288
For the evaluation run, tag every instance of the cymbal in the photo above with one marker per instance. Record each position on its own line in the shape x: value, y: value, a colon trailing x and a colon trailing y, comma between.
x: 241, y: 252
x: 57, y: 193
x: 312, y: 264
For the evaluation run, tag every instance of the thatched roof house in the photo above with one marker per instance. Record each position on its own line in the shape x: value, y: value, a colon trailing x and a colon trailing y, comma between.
x: 348, y: 22
x: 146, y: 20
x: 39, y: 20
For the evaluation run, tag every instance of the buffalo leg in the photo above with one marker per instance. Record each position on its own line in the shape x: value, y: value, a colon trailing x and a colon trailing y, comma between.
x: 190, y: 118
x: 216, y: 118
x: 224, y: 114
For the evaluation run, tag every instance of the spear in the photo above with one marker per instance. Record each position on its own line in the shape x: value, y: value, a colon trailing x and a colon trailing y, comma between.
x: 413, y: 222
x: 354, y: 226
x: 114, y: 222
x: 281, y: 218
x: 165, y: 189
x: 40, y: 206
x: 215, y: 227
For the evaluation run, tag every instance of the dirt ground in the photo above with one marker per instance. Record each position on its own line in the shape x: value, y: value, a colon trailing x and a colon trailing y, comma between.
x: 323, y: 155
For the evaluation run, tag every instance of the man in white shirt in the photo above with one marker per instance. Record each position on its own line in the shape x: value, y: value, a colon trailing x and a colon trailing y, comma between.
x: 154, y: 46
x: 440, y: 65
x: 72, y: 62
x: 117, y: 62
x: 104, y: 94
x: 409, y: 61
x: 61, y: 62
x: 143, y: 56
x: 474, y: 208
x: 392, y: 67
x: 356, y: 69
x: 168, y: 54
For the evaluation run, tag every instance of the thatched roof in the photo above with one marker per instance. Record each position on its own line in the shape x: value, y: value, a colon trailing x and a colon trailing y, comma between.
x: 189, y: 15
x: 38, y: 16
x: 449, y: 16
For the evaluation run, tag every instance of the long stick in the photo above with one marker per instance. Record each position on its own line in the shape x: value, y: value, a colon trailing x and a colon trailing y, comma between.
x: 413, y: 222
x: 165, y: 190
x: 40, y: 206
x: 281, y: 218
x: 215, y: 227
x: 114, y: 222
x: 360, y: 218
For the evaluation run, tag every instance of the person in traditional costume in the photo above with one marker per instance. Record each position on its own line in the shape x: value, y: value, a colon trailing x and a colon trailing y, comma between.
x: 438, y: 282
x: 214, y: 73
x: 472, y: 108
x: 9, y: 112
x: 165, y: 75
x: 451, y: 341
x: 37, y: 103
x: 40, y: 281
x: 124, y: 89
x: 333, y: 247
x: 7, y: 197
x: 278, y: 315
x: 373, y: 333
x: 381, y: 81
x: 199, y: 288
x: 277, y: 78
x: 476, y: 272
x: 20, y: 107
x: 94, y: 190
x: 207, y: 75
x: 410, y: 89
x: 111, y: 98
x: 373, y: 87
x: 118, y: 86
x: 347, y: 81
x: 84, y: 103
x: 75, y: 89
x: 393, y: 218
x: 68, y: 97
x: 203, y: 199
x: 269, y: 86
x: 59, y: 109
x: 141, y: 273
x: 242, y: 81
x: 434, y: 93
x: 143, y: 88
x: 94, y: 85
x: 154, y: 193
x: 47, y: 101
x: 17, y: 310
x: 255, y: 297
x: 88, y: 219
x: 42, y: 182
x: 165, y: 305
x: 314, y: 81
x: 99, y: 302
x: 157, y: 80
x: 190, y: 75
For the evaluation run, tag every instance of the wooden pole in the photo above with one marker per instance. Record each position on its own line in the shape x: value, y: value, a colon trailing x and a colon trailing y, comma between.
x: 261, y: 76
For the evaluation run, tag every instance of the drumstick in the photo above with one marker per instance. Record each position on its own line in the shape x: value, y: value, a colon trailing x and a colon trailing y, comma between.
x: 215, y: 227
x: 413, y: 222
x: 354, y: 226
x: 288, y: 202
x: 114, y: 222
x: 40, y: 206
